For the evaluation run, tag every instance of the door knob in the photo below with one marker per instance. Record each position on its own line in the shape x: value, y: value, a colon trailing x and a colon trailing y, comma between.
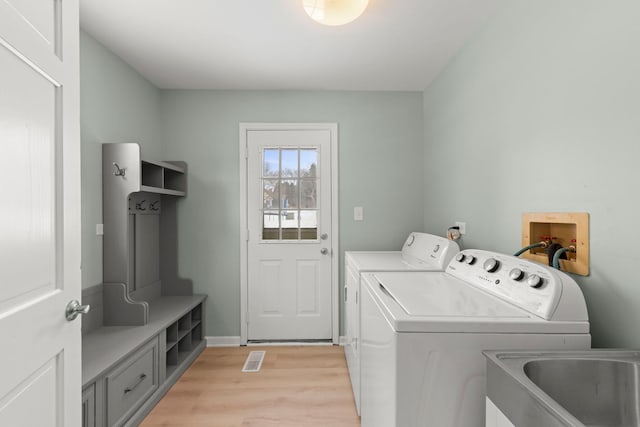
x: 74, y: 309
x: 324, y: 251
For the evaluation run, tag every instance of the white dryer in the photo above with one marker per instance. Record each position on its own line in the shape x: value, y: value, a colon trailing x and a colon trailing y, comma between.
x: 423, y: 334
x: 420, y: 252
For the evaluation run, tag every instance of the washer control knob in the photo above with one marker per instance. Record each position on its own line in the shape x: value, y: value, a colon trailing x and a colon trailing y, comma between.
x: 516, y: 274
x: 470, y: 260
x: 460, y: 257
x: 534, y: 281
x: 491, y: 265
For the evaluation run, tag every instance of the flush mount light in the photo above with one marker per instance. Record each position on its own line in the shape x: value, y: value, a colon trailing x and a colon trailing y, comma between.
x: 334, y: 12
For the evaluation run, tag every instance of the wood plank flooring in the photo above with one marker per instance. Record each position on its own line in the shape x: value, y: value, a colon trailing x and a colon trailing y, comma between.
x: 301, y: 386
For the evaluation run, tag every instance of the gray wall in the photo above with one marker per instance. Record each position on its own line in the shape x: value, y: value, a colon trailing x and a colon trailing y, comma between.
x: 380, y: 165
x: 117, y: 105
x: 380, y: 168
x: 541, y: 112
x: 538, y: 113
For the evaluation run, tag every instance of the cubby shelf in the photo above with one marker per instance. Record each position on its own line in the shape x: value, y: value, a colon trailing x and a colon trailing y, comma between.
x: 189, y: 336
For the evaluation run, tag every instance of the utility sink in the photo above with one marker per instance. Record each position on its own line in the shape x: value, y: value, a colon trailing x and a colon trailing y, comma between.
x: 594, y: 388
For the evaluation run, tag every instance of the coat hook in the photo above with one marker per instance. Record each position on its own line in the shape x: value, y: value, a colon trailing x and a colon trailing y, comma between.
x: 119, y: 171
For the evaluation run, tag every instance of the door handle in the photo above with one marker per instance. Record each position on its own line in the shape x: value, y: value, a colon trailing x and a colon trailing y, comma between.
x: 324, y: 236
x: 74, y: 308
x: 324, y: 251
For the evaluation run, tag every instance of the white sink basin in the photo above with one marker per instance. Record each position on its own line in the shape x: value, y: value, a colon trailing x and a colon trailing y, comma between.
x: 594, y: 388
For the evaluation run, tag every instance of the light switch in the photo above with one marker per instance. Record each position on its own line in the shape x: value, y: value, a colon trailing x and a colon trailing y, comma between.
x: 99, y: 229
x: 358, y: 213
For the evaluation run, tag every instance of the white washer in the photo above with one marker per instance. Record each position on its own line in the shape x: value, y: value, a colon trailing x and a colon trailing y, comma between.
x: 420, y: 252
x: 423, y: 334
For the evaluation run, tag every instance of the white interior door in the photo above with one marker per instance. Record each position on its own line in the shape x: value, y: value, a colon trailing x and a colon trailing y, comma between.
x: 290, y: 235
x: 40, y: 366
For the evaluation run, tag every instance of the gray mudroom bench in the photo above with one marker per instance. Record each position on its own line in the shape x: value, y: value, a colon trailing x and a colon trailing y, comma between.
x: 146, y: 326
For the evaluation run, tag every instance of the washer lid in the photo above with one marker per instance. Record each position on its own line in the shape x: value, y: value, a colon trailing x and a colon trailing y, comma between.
x: 443, y: 296
x: 390, y: 261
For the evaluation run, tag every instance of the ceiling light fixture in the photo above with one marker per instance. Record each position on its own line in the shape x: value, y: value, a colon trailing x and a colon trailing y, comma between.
x: 334, y: 12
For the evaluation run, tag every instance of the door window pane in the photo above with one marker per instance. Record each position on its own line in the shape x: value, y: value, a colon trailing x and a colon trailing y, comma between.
x: 309, y: 225
x: 289, y: 163
x: 290, y: 234
x: 289, y: 219
x: 271, y: 225
x: 271, y: 162
x: 308, y: 194
x: 308, y: 162
x: 270, y: 193
x: 309, y: 219
x: 289, y: 192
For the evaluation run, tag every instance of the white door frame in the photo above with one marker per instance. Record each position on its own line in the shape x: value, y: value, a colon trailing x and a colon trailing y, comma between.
x: 335, y: 258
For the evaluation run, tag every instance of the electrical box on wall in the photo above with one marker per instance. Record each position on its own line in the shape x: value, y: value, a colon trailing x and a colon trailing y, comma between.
x: 568, y: 229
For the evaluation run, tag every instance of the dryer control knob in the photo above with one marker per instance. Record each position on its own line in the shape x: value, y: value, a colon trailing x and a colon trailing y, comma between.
x: 460, y: 257
x: 534, y: 281
x: 491, y: 265
x: 516, y: 274
x: 470, y: 260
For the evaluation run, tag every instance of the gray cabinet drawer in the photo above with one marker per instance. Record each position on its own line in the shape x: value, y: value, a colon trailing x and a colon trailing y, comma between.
x: 131, y: 382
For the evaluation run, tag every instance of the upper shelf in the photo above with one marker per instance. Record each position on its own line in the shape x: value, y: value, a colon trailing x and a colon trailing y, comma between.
x: 124, y: 167
x: 163, y: 177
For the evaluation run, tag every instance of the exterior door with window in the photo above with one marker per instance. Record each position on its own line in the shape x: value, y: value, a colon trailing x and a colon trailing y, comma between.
x: 289, y: 275
x: 40, y: 360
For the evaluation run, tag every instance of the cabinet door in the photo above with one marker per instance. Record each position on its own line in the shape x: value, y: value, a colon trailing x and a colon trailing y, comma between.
x: 89, y: 406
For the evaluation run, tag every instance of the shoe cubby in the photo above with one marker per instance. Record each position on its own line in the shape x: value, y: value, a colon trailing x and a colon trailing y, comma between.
x: 183, y: 337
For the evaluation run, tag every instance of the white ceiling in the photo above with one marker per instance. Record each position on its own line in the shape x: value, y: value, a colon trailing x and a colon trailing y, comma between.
x: 273, y: 45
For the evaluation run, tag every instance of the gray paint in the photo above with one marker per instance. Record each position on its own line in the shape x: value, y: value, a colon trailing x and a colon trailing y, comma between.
x: 541, y: 113
x: 538, y: 113
x: 380, y: 165
x: 380, y: 168
x: 117, y: 105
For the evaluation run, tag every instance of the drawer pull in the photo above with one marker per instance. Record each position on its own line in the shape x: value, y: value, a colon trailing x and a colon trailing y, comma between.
x: 133, y: 387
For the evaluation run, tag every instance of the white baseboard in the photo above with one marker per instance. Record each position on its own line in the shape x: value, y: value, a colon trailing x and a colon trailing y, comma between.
x: 289, y: 344
x: 222, y: 341
x: 235, y: 342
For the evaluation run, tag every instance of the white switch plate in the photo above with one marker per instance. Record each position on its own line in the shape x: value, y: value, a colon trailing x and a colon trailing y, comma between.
x: 99, y: 229
x: 358, y: 213
x: 462, y: 226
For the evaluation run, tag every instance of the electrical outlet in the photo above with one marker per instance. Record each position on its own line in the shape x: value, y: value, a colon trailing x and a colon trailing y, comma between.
x: 462, y: 226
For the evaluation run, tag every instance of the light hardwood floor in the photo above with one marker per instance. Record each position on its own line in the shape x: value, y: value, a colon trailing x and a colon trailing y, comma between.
x: 301, y: 386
